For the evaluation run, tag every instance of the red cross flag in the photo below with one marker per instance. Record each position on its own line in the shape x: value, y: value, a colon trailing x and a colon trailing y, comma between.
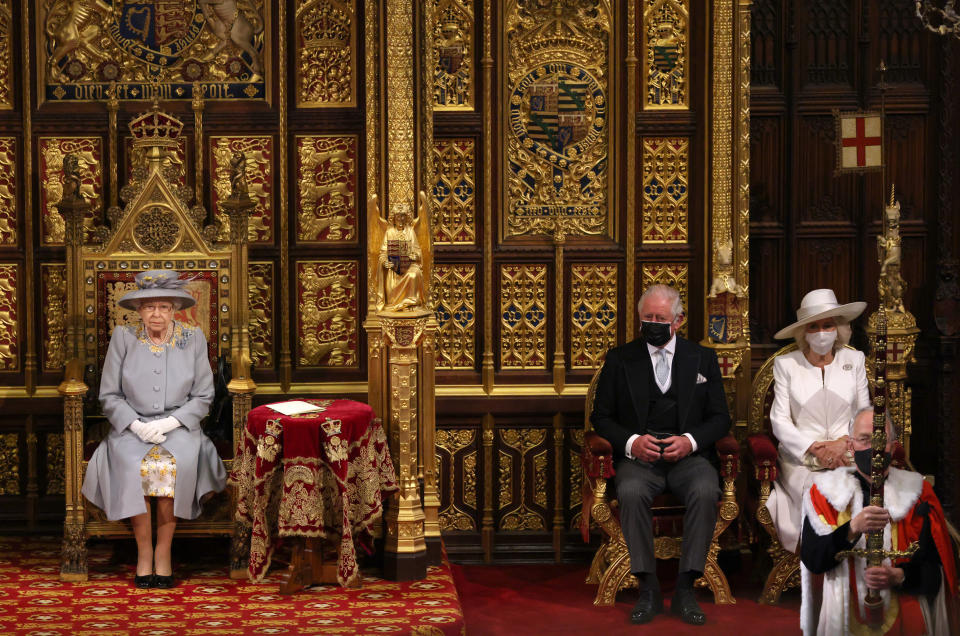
x: 859, y: 142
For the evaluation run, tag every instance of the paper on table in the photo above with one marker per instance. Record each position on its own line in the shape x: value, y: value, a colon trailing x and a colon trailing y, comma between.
x: 294, y: 407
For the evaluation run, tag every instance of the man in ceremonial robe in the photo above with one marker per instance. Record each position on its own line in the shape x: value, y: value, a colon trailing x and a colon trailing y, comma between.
x: 836, y: 517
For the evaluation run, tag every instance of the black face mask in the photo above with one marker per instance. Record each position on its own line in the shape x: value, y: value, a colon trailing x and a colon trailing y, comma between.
x: 656, y: 333
x: 862, y: 459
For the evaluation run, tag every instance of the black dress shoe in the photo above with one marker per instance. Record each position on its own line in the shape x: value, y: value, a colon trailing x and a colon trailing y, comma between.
x: 647, y: 606
x: 163, y: 582
x: 143, y: 582
x: 685, y: 606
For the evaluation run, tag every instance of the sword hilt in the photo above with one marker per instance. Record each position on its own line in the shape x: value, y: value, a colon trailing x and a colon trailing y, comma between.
x: 879, y: 555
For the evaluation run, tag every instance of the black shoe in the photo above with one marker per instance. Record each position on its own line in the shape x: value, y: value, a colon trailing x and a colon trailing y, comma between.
x: 685, y: 606
x: 647, y: 606
x: 143, y: 582
x: 163, y: 582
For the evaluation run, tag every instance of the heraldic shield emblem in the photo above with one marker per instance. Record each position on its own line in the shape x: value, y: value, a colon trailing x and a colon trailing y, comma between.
x: 560, y: 108
x: 155, y: 31
x: 725, y: 324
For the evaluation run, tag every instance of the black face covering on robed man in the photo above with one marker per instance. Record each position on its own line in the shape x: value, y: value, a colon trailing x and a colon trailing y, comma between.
x: 862, y: 458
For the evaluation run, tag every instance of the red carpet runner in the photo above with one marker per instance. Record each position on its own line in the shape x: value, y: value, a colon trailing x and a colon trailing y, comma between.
x: 33, y: 600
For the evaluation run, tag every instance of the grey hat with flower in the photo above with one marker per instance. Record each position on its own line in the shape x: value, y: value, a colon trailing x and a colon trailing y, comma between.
x: 155, y: 284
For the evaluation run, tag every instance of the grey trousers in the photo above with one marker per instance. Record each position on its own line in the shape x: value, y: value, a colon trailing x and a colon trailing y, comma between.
x: 694, y: 481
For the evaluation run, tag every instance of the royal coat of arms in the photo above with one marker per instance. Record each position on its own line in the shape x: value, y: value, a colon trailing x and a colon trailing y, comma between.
x: 725, y: 322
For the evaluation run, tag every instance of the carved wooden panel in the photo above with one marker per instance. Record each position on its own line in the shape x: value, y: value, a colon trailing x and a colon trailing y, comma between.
x: 523, y: 316
x: 326, y: 53
x: 820, y: 197
x: 326, y: 189
x: 54, y: 464
x: 765, y: 40
x: 454, y: 79
x: 454, y: 194
x: 454, y: 293
x: 53, y: 291
x: 766, y: 171
x: 9, y: 463
x: 524, y: 478
x: 9, y: 317
x: 327, y: 313
x: 259, y: 153
x: 7, y: 29
x: 593, y: 312
x: 826, y: 262
x: 665, y: 54
x: 458, y: 473
x: 262, y: 298
x: 51, y: 152
x: 8, y: 188
x: 900, y: 41
x: 664, y: 202
x: 826, y: 45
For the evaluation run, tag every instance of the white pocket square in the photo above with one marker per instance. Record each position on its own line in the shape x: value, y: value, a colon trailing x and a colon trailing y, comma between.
x: 700, y: 378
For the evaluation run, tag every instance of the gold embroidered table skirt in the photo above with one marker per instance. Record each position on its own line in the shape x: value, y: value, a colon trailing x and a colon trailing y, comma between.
x: 321, y: 474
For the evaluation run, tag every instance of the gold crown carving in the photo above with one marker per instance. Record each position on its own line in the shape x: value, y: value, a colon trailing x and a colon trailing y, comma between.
x: 331, y: 427
x: 556, y: 35
x: 155, y: 128
x: 332, y: 31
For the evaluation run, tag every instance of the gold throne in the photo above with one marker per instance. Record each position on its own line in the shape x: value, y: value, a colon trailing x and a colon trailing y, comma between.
x: 610, y: 569
x: 156, y: 229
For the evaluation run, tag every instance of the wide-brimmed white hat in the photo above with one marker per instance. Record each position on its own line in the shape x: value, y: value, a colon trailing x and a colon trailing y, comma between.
x: 817, y: 305
x: 158, y: 283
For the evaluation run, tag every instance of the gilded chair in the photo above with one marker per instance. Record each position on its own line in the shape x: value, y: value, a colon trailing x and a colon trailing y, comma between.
x: 610, y: 568
x: 155, y: 230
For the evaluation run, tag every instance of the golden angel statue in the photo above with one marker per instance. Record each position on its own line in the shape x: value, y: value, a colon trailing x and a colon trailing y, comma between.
x: 401, y: 263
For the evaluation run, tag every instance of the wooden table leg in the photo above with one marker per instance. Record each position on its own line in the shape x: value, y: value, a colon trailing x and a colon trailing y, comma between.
x: 309, y: 565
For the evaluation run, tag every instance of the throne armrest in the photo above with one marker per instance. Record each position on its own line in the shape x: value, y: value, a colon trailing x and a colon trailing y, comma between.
x: 597, y: 458
x: 763, y: 456
x: 728, y: 450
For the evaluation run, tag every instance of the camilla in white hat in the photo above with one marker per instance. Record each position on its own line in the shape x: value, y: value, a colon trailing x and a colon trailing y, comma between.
x: 817, y: 390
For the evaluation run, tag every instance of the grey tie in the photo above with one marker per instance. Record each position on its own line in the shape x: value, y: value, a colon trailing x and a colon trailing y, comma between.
x: 661, y: 368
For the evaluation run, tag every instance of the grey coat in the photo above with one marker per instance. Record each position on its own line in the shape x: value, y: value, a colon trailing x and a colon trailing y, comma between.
x: 146, y: 382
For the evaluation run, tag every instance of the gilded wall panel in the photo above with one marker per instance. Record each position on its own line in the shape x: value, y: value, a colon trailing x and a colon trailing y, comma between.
x: 55, y: 464
x: 557, y: 132
x: 454, y: 194
x: 51, y: 151
x: 576, y: 471
x: 674, y: 274
x: 85, y: 45
x: 526, y: 452
x: 8, y: 190
x: 523, y: 316
x: 326, y: 189
x: 260, y: 291
x: 326, y: 53
x: 9, y: 463
x: 259, y: 153
x: 327, y: 313
x: 454, y: 294
x: 664, y: 207
x: 457, y: 448
x: 53, y: 290
x: 454, y: 82
x: 665, y: 54
x: 593, y: 313
x: 9, y: 318
x: 7, y: 28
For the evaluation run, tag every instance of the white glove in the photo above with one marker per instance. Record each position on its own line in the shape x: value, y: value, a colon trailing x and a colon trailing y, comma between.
x: 166, y: 424
x: 146, y: 432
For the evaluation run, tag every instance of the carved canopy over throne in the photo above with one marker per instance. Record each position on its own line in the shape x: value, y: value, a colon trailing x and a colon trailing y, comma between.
x: 156, y: 229
x: 610, y: 569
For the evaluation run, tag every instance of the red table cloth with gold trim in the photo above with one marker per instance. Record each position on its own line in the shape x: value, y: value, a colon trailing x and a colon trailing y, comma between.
x: 318, y: 474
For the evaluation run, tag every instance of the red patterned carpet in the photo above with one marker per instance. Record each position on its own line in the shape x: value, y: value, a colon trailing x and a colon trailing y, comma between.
x: 34, y: 601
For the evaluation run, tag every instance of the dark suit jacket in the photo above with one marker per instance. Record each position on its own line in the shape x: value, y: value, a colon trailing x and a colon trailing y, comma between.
x: 621, y: 403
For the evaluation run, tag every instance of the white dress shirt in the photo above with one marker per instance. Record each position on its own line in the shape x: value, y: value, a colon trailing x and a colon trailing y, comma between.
x: 668, y: 349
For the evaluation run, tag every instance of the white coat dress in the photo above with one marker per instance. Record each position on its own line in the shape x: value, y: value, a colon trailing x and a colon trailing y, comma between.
x: 148, y: 382
x: 809, y: 406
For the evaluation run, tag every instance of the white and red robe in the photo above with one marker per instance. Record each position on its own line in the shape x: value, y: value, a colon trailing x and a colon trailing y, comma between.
x: 836, y: 606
